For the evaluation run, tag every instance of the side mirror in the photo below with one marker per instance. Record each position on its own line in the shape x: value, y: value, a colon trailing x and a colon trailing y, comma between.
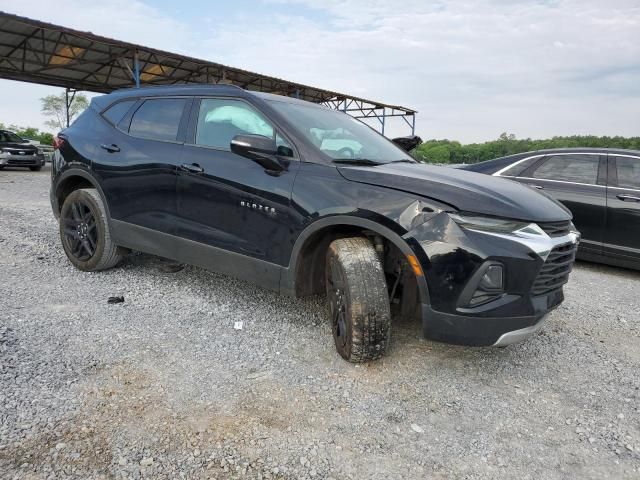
x: 262, y: 150
x: 407, y: 143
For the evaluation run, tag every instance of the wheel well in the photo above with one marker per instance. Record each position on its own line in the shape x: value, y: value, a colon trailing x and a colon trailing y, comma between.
x: 69, y: 185
x: 401, y: 281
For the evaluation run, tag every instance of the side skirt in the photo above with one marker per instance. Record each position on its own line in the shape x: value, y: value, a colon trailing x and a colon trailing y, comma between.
x: 135, y: 237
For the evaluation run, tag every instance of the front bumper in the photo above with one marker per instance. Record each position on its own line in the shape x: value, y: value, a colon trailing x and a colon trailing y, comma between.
x: 452, y: 259
x: 22, y: 160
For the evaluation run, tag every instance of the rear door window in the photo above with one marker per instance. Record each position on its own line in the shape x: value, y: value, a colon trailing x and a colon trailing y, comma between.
x: 116, y: 112
x: 570, y: 168
x: 519, y: 167
x: 158, y: 119
x: 628, y: 172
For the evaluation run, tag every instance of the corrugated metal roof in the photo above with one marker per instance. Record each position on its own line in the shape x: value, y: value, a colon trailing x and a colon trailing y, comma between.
x: 39, y: 52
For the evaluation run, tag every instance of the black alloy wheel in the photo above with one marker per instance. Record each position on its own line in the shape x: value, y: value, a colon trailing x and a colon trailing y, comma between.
x: 80, y: 233
x: 337, y: 304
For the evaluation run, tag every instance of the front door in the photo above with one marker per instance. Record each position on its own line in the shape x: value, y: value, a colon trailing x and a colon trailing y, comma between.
x: 228, y: 201
x: 578, y: 180
x: 622, y: 235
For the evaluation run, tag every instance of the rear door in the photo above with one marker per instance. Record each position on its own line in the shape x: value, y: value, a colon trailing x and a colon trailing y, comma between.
x: 622, y: 235
x: 137, y: 158
x: 578, y: 180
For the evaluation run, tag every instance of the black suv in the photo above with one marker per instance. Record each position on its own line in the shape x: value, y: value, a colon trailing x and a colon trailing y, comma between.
x: 304, y: 200
x: 18, y: 152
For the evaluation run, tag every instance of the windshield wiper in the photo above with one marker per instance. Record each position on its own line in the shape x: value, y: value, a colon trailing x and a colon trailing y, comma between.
x: 357, y: 161
x: 404, y: 160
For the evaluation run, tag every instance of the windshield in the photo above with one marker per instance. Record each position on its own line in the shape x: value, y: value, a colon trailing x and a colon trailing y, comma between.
x: 339, y: 135
x: 6, y: 136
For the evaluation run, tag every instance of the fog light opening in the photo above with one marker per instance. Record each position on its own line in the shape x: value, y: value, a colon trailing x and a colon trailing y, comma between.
x: 490, y: 287
x: 493, y: 279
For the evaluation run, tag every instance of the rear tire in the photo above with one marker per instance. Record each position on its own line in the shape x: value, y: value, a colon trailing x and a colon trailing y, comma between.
x: 35, y: 169
x: 85, y: 233
x: 358, y: 299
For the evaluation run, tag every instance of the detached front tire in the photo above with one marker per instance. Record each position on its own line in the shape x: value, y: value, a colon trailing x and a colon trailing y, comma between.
x: 85, y: 233
x: 358, y: 299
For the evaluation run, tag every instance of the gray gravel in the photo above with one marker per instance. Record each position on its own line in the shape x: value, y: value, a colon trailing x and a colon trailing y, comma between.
x: 163, y: 386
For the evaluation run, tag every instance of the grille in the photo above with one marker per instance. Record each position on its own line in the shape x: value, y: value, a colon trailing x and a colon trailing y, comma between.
x: 555, y: 271
x: 556, y: 229
x: 17, y: 161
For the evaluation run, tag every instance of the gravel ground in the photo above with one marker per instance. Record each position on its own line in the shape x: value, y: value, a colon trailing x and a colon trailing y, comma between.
x: 163, y: 386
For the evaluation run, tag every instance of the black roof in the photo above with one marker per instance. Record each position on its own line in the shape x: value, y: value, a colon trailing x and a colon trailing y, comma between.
x: 103, y: 101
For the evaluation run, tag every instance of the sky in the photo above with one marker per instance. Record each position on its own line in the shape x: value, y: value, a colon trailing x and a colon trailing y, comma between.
x: 473, y: 69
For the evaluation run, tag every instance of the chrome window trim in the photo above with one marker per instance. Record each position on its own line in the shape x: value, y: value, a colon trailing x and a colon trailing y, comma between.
x: 563, y: 181
x: 625, y: 189
x: 624, y: 155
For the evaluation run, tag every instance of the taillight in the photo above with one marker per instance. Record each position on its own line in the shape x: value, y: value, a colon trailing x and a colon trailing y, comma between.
x: 57, y: 142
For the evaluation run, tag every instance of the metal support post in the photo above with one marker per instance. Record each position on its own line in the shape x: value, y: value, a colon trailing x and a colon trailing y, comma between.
x: 136, y: 68
x: 67, y: 103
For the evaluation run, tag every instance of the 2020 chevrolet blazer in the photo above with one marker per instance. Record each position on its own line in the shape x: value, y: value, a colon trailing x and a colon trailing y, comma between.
x: 305, y: 200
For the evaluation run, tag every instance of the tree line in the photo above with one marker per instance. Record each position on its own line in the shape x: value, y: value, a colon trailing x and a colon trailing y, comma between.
x: 453, y: 152
x: 30, y: 133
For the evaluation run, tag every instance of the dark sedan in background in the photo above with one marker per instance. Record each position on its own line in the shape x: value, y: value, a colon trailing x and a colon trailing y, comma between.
x: 18, y: 152
x: 600, y: 186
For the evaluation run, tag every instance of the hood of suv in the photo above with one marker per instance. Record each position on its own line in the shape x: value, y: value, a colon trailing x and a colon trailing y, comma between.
x: 27, y: 147
x: 466, y: 191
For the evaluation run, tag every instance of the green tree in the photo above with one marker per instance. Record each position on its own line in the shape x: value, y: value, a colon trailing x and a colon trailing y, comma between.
x: 54, y: 107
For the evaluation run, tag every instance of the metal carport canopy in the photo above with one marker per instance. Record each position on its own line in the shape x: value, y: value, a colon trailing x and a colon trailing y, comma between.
x: 40, y: 52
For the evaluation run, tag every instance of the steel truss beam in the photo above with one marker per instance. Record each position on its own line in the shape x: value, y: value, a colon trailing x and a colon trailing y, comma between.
x: 39, y: 52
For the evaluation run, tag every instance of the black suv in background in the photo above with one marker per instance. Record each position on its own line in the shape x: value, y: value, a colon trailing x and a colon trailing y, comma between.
x: 601, y: 187
x: 18, y: 152
x: 307, y: 200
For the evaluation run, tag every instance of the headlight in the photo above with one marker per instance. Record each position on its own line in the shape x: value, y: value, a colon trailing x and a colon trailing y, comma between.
x: 497, y: 225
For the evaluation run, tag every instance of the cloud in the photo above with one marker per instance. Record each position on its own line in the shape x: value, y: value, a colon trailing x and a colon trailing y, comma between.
x: 472, y: 68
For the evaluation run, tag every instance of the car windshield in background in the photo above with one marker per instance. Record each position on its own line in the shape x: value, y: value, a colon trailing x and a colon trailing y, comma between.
x: 10, y: 137
x: 339, y: 135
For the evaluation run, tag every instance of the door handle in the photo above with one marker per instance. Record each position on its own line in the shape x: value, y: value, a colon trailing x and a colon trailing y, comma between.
x: 628, y: 198
x: 539, y: 187
x: 191, y: 168
x: 110, y: 148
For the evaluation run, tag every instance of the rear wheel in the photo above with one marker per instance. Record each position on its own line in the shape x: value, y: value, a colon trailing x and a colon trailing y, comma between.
x: 84, y: 231
x: 358, y: 299
x: 35, y: 169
